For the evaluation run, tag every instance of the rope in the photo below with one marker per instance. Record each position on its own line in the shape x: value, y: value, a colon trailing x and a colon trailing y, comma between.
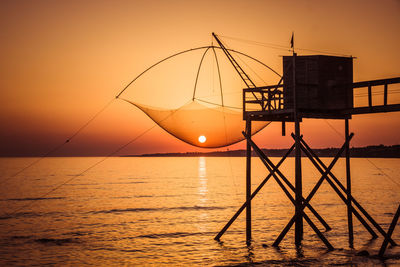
x: 198, y: 72
x: 155, y: 64
x: 282, y: 47
x: 80, y: 174
x: 219, y: 76
x: 333, y: 128
x: 230, y: 162
x: 270, y: 45
x: 32, y: 202
x: 259, y: 77
x: 387, y: 176
x: 190, y: 50
x: 373, y: 164
x: 55, y: 149
x: 211, y: 103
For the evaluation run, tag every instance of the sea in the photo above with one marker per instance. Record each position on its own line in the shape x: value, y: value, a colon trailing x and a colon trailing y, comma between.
x: 166, y: 211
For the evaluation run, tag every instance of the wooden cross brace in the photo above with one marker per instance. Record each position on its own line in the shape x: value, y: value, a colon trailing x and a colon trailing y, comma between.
x: 326, y: 175
x: 331, y: 179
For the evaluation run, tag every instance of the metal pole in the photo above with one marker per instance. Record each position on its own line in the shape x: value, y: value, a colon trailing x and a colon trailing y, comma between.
x: 348, y: 184
x: 248, y: 183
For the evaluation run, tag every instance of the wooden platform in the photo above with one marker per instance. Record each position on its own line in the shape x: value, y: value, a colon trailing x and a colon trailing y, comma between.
x: 267, y: 104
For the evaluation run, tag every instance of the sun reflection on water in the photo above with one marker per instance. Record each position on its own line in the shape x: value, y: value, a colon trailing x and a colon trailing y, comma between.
x: 202, y: 173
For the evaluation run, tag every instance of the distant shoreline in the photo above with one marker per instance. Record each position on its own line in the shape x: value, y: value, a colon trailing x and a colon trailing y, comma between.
x: 379, y: 151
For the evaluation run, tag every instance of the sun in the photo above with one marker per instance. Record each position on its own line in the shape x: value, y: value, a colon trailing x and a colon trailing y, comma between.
x: 202, y: 138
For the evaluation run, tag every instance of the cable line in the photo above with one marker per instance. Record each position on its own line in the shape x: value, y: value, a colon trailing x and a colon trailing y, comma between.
x: 29, y: 204
x: 283, y: 47
x: 55, y: 149
x: 373, y: 164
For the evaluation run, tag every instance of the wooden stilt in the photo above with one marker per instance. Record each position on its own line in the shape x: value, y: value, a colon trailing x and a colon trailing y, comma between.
x: 348, y: 183
x: 248, y: 184
x: 298, y: 187
x: 298, y: 179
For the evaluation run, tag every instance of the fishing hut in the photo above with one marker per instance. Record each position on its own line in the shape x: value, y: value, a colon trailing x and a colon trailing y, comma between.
x: 318, y: 87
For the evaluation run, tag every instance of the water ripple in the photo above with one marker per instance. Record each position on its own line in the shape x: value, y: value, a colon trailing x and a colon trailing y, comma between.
x: 175, y: 235
x: 32, y: 198
x: 57, y: 241
x: 158, y: 209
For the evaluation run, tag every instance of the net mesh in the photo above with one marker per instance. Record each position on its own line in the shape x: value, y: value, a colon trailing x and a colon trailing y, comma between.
x: 202, y: 125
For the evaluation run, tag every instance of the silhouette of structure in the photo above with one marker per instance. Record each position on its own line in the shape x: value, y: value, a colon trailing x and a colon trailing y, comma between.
x: 319, y: 87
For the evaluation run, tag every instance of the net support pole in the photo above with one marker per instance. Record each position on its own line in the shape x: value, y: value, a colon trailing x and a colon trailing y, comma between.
x: 248, y: 183
x: 348, y: 184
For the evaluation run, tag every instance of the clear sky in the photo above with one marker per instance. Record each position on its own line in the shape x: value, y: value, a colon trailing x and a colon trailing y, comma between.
x: 62, y: 61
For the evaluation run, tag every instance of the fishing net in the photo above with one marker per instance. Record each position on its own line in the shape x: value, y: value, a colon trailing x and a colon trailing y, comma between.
x: 199, y: 103
x: 201, y: 125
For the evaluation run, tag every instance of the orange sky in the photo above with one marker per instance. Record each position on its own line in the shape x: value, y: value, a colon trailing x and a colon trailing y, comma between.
x: 62, y: 61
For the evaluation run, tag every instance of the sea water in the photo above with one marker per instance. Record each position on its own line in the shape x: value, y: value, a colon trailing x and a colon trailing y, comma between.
x: 167, y: 211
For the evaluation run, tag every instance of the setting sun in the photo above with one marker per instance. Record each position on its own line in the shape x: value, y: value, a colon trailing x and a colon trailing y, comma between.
x: 202, y: 138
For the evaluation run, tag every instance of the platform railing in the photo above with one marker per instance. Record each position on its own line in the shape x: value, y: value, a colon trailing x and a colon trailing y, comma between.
x: 266, y: 98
